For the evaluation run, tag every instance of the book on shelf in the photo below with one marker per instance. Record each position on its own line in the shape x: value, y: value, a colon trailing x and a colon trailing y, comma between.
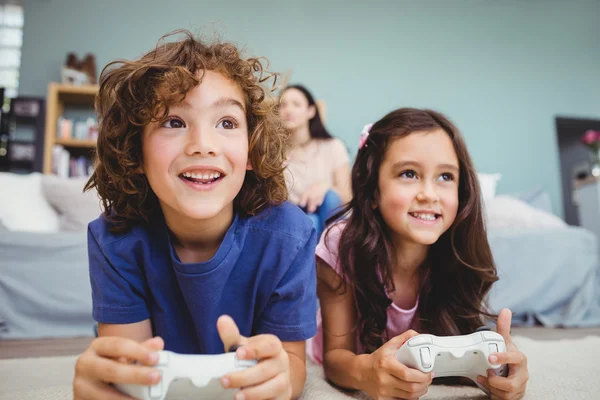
x: 67, y: 165
x: 69, y: 128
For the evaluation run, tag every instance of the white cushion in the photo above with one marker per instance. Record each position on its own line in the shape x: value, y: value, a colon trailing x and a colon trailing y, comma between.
x: 488, y: 183
x: 23, y: 206
x: 76, y: 209
x: 509, y: 212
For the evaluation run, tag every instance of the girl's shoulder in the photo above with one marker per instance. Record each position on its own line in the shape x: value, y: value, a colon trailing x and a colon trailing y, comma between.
x: 333, y: 232
x: 328, y: 247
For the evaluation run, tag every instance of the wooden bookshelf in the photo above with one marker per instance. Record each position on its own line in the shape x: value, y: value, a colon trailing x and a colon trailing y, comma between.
x: 59, y: 96
x: 78, y: 143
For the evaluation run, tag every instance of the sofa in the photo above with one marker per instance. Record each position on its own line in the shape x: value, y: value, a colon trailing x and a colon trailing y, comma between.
x: 44, y: 278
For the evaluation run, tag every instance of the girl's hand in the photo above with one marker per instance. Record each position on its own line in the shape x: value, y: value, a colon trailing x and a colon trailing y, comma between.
x: 270, y: 378
x: 313, y: 197
x: 514, y: 385
x: 387, y: 378
x: 109, y: 360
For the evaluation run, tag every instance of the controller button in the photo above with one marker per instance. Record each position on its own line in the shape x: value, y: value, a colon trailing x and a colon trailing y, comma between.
x: 419, y: 340
x: 425, y: 357
x: 493, y: 348
x: 490, y: 335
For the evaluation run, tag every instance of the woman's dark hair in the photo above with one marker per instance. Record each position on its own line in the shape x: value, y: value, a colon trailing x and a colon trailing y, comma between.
x: 134, y: 93
x: 460, y: 267
x: 315, y: 125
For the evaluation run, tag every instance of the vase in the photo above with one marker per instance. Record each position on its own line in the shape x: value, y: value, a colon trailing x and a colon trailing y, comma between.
x: 595, y: 164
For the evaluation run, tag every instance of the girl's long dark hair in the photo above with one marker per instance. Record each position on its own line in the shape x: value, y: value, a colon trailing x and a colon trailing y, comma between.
x: 315, y: 125
x: 460, y: 265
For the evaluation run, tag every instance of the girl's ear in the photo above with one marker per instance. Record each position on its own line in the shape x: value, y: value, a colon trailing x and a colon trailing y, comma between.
x: 248, y: 166
x: 375, y: 202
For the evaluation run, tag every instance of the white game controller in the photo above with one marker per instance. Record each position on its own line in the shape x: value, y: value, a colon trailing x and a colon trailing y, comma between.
x: 466, y: 355
x: 204, y: 371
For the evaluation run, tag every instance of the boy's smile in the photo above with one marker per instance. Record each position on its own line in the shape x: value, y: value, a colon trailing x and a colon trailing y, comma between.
x: 202, y: 177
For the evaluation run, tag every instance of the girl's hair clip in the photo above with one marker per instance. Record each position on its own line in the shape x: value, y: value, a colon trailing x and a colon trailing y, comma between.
x: 364, y: 135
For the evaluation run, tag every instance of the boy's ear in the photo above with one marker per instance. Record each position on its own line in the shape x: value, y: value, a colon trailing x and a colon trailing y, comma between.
x: 140, y: 169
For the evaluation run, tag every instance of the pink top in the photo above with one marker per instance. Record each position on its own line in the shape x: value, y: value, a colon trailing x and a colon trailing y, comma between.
x: 398, y: 320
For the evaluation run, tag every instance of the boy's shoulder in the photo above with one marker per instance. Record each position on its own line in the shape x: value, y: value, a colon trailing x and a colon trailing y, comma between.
x: 100, y: 230
x: 285, y: 219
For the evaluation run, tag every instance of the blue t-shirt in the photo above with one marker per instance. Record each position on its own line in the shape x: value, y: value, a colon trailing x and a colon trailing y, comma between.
x: 263, y: 275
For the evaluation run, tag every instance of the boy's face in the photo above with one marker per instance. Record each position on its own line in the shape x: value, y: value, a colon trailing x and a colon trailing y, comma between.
x: 196, y: 159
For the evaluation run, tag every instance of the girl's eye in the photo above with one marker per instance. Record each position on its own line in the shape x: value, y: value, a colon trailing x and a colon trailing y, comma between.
x: 409, y: 174
x: 173, y: 123
x: 227, y: 124
x: 446, y: 177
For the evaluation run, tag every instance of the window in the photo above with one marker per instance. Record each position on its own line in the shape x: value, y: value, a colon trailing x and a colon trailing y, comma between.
x: 11, y: 40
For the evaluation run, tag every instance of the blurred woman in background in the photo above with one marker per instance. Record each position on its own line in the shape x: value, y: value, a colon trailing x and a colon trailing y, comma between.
x: 318, y: 172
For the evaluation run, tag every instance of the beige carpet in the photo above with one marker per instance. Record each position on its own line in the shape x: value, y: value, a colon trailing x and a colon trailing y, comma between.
x: 559, y: 369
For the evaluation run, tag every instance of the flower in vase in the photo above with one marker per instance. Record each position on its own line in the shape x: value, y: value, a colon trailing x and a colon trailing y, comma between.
x: 591, y: 139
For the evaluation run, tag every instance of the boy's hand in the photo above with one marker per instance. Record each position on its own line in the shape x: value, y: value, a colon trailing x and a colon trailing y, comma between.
x: 270, y: 378
x: 514, y: 385
x: 108, y: 360
x: 387, y: 378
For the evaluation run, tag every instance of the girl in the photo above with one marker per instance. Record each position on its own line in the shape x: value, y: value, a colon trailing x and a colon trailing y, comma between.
x: 196, y: 232
x: 318, y: 171
x: 412, y: 254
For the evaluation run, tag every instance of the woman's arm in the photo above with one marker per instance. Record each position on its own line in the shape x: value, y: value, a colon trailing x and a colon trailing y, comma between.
x: 341, y: 182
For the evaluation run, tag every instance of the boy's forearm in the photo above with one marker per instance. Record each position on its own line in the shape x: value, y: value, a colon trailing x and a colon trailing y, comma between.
x: 346, y: 369
x: 297, y: 374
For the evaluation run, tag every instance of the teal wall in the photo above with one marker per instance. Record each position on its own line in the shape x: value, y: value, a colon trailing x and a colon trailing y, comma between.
x: 502, y: 70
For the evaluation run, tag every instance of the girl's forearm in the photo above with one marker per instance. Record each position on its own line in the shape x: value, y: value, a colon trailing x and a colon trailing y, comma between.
x: 346, y: 369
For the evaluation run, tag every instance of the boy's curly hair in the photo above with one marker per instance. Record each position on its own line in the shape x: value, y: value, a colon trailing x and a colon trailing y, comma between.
x: 135, y: 93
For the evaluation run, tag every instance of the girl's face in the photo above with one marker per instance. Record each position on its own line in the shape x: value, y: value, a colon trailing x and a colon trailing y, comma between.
x: 295, y: 110
x: 196, y: 159
x: 418, y: 186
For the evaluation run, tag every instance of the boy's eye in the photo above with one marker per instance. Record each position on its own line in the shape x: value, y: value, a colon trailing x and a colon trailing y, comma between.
x: 446, y: 177
x: 227, y: 124
x: 173, y: 123
x: 410, y: 174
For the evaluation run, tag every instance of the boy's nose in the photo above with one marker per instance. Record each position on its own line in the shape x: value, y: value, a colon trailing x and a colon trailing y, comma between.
x: 201, y: 141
